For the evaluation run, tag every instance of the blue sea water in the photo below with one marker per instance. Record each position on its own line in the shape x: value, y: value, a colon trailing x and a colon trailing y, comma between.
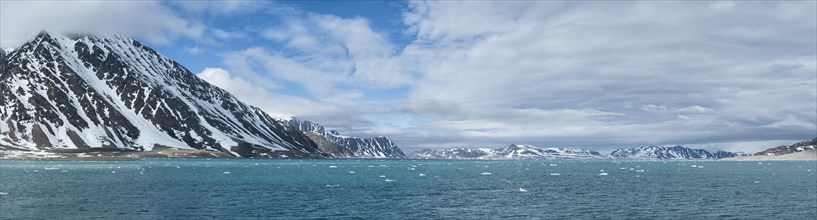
x: 416, y: 189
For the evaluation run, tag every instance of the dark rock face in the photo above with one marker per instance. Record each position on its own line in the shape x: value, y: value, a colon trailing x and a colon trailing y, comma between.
x: 800, y: 146
x: 676, y: 152
x: 92, y: 92
x: 341, y: 146
x: 514, y: 151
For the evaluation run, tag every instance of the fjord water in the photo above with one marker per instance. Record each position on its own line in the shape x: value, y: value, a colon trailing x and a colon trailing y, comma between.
x: 416, y: 189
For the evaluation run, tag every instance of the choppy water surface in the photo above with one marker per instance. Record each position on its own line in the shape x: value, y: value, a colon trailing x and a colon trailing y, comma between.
x: 406, y: 189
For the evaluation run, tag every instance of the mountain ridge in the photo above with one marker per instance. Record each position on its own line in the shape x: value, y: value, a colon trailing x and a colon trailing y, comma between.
x: 91, y: 92
x: 333, y: 142
x: 513, y: 151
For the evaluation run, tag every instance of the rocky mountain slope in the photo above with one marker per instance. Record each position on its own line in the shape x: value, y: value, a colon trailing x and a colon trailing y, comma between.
x: 676, y: 152
x: 332, y: 142
x: 91, y: 92
x: 798, y: 147
x: 514, y: 151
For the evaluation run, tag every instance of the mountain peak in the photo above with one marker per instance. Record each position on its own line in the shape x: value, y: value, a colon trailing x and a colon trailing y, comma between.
x: 343, y: 146
x: 111, y: 91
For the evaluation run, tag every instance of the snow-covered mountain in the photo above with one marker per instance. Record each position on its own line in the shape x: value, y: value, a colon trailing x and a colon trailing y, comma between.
x: 798, y: 147
x: 676, y: 152
x: 513, y: 151
x: 84, y: 92
x: 342, y: 146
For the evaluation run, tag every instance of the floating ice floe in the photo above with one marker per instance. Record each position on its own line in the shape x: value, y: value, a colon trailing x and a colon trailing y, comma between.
x: 602, y: 174
x: 639, y: 171
x: 485, y: 174
x: 113, y: 171
x: 226, y: 172
x: 422, y: 174
x: 333, y: 166
x: 523, y: 190
x: 351, y: 171
x: 382, y: 176
x: 759, y: 162
x: 332, y: 186
x: 4, y: 193
x: 51, y: 168
x: 390, y: 180
x: 555, y: 174
x: 694, y: 166
x: 553, y: 165
x: 757, y: 181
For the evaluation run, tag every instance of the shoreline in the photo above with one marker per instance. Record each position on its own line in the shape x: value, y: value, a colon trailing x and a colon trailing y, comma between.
x: 810, y: 155
x: 110, y: 155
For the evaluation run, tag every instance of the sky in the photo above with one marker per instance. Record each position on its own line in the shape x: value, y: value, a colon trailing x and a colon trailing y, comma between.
x: 718, y: 75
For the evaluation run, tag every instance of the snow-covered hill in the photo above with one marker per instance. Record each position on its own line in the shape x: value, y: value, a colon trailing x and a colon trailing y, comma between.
x: 342, y: 146
x: 84, y: 92
x: 798, y: 147
x: 514, y: 151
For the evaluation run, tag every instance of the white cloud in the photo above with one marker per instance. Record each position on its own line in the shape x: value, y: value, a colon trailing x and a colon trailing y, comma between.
x: 694, y: 70
x: 553, y: 73
x: 150, y: 20
x: 280, y: 106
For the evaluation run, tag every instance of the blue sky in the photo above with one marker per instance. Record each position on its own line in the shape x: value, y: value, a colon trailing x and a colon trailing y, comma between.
x: 430, y: 74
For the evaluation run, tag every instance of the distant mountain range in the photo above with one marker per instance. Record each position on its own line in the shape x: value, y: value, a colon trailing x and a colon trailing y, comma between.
x: 86, y: 93
x: 676, y: 152
x: 516, y: 151
x: 349, y: 147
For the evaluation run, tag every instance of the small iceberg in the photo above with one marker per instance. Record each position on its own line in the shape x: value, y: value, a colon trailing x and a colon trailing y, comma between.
x: 694, y: 166
x: 51, y: 168
x: 485, y: 174
x: 333, y: 166
x: 332, y: 186
x: 352, y: 172
x: 113, y: 171
x: 553, y: 165
x: 4, y: 193
x: 226, y: 172
x: 382, y: 176
x: 555, y: 174
x: 700, y: 166
x: 390, y: 180
x: 639, y: 171
x: 602, y: 174
x: 523, y: 190
x: 421, y: 175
